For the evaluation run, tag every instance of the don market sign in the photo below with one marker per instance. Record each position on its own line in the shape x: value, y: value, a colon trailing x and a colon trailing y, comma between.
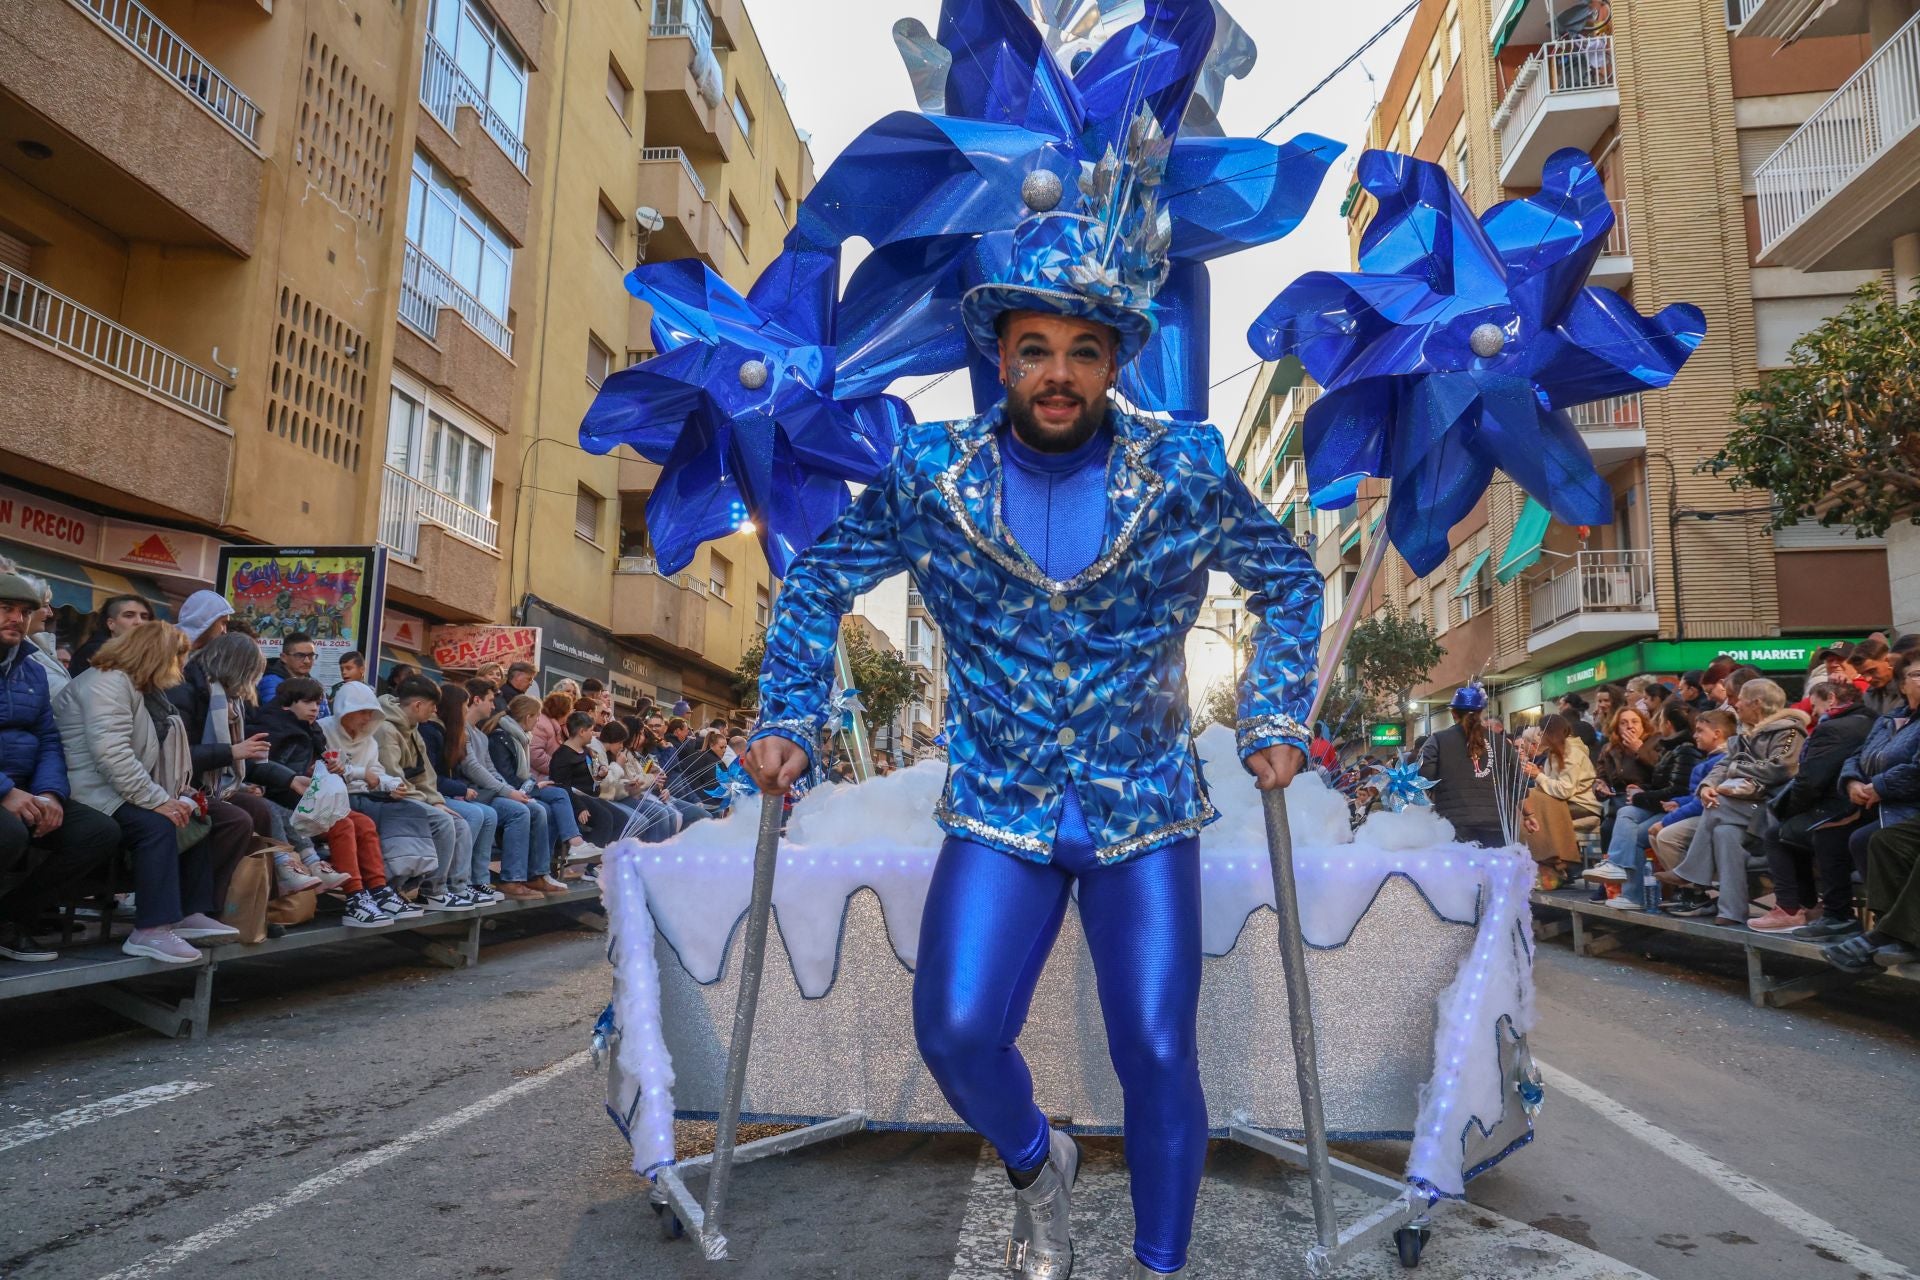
x: 1386, y: 735
x: 1789, y: 654
x: 468, y: 648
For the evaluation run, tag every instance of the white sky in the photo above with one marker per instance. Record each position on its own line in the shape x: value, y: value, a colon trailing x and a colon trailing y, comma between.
x: 843, y: 73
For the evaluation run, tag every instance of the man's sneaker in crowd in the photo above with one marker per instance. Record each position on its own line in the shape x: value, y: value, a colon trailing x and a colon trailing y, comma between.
x: 592, y: 874
x: 363, y: 912
x: 1895, y: 954
x: 396, y: 906
x: 486, y: 894
x: 586, y: 851
x: 329, y: 878
x: 163, y: 945
x: 1692, y: 904
x: 1828, y: 929
x: 1778, y: 921
x: 199, y: 928
x: 1624, y: 903
x: 522, y: 892
x: 546, y: 884
x: 17, y: 944
x: 1606, y: 871
x: 446, y: 900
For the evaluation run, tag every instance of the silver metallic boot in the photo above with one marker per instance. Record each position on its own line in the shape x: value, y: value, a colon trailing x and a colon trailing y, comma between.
x: 1042, y: 1244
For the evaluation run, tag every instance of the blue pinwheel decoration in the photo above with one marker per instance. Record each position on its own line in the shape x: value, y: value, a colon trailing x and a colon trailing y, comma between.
x: 740, y: 409
x: 843, y: 708
x: 1461, y: 345
x: 730, y: 783
x: 1400, y: 784
x: 937, y: 195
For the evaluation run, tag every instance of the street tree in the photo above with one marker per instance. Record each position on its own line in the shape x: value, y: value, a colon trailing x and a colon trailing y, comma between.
x: 1835, y: 436
x: 885, y: 681
x: 1388, y: 656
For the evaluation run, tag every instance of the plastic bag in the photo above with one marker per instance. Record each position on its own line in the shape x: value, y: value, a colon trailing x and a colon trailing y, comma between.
x: 324, y: 804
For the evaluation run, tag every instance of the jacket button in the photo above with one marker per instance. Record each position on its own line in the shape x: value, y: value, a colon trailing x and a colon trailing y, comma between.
x: 1066, y: 736
x: 1058, y: 603
x: 1061, y: 671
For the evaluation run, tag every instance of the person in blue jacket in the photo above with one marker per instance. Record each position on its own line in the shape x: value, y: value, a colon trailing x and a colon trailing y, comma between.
x: 48, y: 843
x: 1063, y: 546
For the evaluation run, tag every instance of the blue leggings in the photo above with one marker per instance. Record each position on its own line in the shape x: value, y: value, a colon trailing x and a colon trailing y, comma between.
x: 990, y: 921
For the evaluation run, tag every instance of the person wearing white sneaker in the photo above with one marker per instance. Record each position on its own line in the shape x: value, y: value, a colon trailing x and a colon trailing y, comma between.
x: 128, y: 757
x: 363, y: 912
x: 445, y: 899
x: 199, y: 928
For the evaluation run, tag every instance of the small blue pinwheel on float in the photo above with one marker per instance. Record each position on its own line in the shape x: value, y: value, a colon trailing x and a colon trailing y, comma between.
x: 1400, y: 784
x: 1459, y: 348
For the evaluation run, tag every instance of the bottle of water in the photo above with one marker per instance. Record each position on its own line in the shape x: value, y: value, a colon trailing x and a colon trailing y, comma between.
x: 1650, y: 888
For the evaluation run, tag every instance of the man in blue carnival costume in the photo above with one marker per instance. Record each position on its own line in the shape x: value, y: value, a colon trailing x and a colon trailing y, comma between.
x: 1063, y: 546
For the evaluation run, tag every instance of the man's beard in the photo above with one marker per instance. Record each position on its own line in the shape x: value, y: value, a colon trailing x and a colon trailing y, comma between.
x: 1027, y: 428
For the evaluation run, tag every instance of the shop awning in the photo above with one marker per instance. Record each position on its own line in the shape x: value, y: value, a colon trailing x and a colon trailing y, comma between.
x: 1286, y: 514
x: 1469, y: 574
x: 1350, y: 537
x: 1504, y: 23
x: 1523, y: 549
x: 84, y: 588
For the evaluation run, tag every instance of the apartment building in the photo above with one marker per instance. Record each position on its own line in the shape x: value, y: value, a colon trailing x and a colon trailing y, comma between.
x: 311, y: 274
x: 1679, y: 106
x: 682, y: 116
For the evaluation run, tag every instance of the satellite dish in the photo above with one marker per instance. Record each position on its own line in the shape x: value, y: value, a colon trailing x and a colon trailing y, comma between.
x: 649, y: 218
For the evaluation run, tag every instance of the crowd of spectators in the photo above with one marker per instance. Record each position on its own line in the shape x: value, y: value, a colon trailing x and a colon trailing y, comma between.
x: 156, y: 756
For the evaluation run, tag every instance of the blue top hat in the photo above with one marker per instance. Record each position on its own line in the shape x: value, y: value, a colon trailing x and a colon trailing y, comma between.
x: 1470, y: 697
x: 1104, y: 264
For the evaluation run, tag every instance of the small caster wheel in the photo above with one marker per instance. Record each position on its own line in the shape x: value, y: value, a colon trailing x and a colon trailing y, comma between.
x: 1409, y: 1241
x: 670, y: 1224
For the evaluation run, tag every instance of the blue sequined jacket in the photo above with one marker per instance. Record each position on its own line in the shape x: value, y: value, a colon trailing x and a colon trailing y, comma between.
x: 1050, y: 681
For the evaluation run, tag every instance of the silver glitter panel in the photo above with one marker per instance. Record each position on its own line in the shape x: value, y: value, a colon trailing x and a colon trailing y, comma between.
x: 853, y: 1050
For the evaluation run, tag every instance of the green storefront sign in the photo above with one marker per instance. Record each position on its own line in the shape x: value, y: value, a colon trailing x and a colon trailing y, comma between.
x: 1386, y: 735
x: 1671, y: 657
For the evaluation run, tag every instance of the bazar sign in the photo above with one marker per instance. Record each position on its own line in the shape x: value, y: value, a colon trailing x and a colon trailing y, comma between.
x: 467, y: 648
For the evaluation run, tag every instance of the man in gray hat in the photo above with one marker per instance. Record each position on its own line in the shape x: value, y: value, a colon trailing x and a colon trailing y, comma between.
x: 46, y: 843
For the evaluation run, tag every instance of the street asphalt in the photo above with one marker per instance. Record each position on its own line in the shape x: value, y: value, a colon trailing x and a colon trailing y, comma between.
x: 354, y: 1113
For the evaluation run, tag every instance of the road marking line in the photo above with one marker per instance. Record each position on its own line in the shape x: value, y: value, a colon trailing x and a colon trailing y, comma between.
x: 104, y: 1109
x: 983, y: 1229
x: 174, y: 1254
x: 1816, y: 1230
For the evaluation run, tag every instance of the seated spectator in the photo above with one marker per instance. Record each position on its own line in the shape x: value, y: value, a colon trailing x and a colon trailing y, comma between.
x: 1562, y: 794
x: 1607, y: 701
x: 549, y: 731
x: 1881, y: 784
x: 1841, y: 723
x: 572, y: 768
x: 1625, y: 766
x: 1893, y: 895
x: 509, y: 745
x: 298, y: 653
x: 399, y: 675
x: 526, y: 843
x: 1873, y: 661
x: 127, y: 757
x: 443, y: 733
x: 297, y: 744
x: 518, y: 683
x: 353, y: 666
x: 119, y: 615
x: 403, y: 754
x: 1713, y: 683
x: 698, y: 777
x: 1667, y: 839
x: 629, y: 785
x: 1574, y: 708
x: 409, y: 849
x: 1670, y: 781
x: 882, y: 764
x: 1759, y: 762
x: 1692, y: 691
x: 567, y: 685
x: 494, y: 673
x: 49, y: 842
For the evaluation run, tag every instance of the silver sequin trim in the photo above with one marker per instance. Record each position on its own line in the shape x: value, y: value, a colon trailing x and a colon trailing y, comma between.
x: 1137, y: 435
x: 1271, y: 727
x: 807, y: 725
x: 974, y: 827
x: 1174, y: 830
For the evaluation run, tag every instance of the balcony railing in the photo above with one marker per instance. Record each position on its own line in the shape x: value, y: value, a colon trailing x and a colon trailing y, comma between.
x: 1578, y: 65
x: 1595, y: 582
x: 27, y: 304
x: 1741, y: 12
x: 153, y: 40
x: 920, y: 656
x: 407, y: 502
x: 425, y: 288
x: 444, y: 87
x: 1616, y: 245
x: 1615, y: 413
x: 675, y: 155
x: 1871, y: 112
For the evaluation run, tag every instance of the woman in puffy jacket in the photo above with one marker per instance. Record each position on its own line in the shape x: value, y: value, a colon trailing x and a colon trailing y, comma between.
x: 548, y: 732
x: 1562, y: 793
x: 1667, y: 780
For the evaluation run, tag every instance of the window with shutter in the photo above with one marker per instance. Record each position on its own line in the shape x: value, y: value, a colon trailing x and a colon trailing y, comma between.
x: 16, y: 254
x: 599, y: 360
x: 719, y: 574
x: 586, y: 514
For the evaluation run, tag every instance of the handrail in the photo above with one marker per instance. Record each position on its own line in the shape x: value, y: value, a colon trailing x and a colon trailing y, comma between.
x: 1871, y: 112
x: 1595, y: 582
x: 1575, y: 65
x: 1616, y: 244
x: 174, y: 58
x: 425, y: 284
x: 1615, y: 413
x: 27, y: 304
x: 444, y: 88
x: 406, y: 502
x: 666, y: 154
